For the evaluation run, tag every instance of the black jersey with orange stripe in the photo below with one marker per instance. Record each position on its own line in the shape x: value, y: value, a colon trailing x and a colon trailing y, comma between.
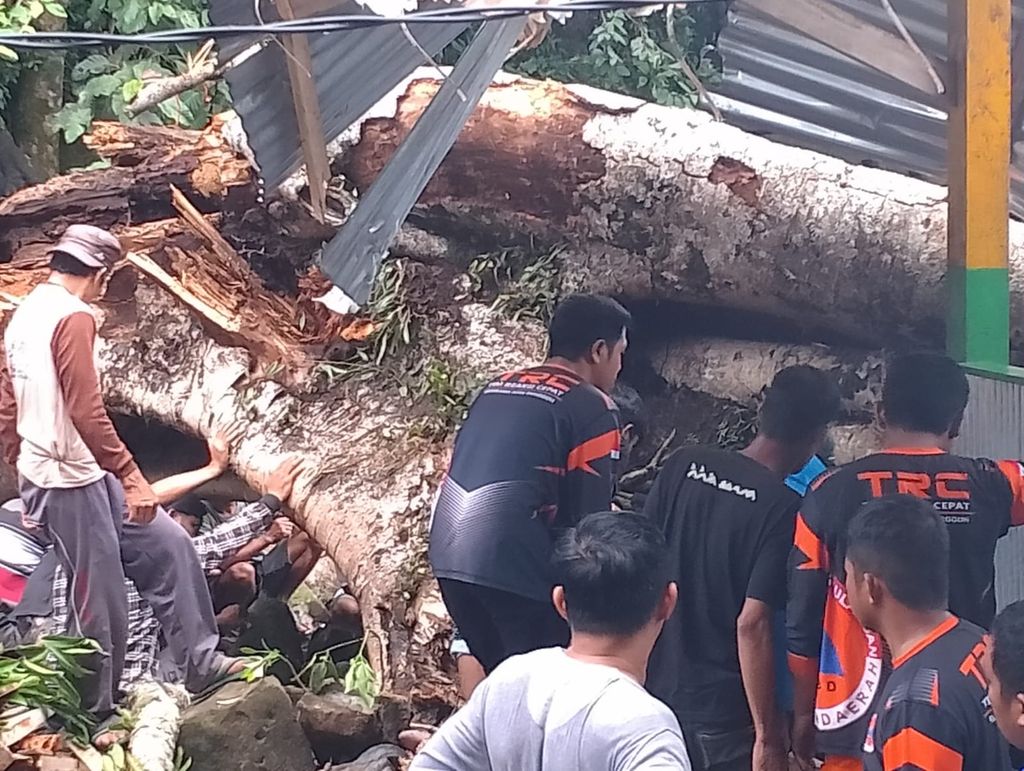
x: 934, y: 712
x: 979, y: 500
x: 536, y: 453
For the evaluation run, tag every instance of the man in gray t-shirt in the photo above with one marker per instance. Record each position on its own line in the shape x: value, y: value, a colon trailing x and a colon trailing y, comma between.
x: 583, y: 707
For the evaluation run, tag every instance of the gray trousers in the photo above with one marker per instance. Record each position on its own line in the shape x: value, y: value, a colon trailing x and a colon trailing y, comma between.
x: 98, y: 548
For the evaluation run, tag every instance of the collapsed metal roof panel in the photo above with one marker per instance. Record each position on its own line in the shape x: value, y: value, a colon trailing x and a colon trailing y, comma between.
x: 352, y: 70
x: 353, y: 255
x: 780, y: 83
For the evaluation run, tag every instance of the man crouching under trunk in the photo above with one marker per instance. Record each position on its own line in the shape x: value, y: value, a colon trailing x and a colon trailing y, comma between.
x: 81, y: 486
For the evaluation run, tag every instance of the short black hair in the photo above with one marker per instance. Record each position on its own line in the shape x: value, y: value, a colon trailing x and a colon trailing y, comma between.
x: 581, y: 320
x: 925, y: 392
x: 1008, y: 656
x: 903, y: 540
x: 799, y: 404
x: 62, y: 262
x: 614, y: 569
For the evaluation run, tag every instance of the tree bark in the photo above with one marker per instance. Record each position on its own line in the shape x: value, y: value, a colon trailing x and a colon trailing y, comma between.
x: 38, y: 96
x: 146, y: 161
x: 368, y: 482
x: 740, y: 371
x: 662, y: 202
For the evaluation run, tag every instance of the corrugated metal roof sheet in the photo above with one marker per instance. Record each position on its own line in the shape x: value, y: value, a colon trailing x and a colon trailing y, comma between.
x: 352, y: 71
x: 782, y: 84
x: 352, y: 257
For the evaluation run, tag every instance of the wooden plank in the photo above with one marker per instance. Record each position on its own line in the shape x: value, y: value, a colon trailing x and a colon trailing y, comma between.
x: 869, y: 44
x: 307, y: 112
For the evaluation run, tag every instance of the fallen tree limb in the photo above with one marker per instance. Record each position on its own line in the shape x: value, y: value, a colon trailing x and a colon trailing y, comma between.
x: 146, y: 161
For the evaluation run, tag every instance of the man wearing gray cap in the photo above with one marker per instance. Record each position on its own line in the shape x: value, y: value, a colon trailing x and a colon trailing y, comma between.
x: 81, y: 485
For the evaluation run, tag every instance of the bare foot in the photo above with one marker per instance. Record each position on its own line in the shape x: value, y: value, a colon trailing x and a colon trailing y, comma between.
x: 108, y: 739
x: 413, y: 739
x: 230, y: 618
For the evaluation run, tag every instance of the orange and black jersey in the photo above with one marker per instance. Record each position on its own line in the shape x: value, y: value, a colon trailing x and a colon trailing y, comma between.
x: 536, y: 453
x: 979, y: 500
x: 934, y: 713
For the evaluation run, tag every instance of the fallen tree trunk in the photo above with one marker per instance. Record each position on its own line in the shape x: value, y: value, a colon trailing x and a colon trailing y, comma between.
x: 660, y: 202
x: 369, y: 480
x: 740, y: 371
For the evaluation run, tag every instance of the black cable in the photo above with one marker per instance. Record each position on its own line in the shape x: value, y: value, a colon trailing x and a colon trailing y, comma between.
x: 314, y: 25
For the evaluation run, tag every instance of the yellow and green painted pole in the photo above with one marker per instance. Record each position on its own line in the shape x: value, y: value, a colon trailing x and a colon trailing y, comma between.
x: 978, y: 160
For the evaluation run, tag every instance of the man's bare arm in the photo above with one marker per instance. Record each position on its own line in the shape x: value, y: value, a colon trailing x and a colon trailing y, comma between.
x: 72, y: 347
x: 757, y: 667
x: 172, y: 488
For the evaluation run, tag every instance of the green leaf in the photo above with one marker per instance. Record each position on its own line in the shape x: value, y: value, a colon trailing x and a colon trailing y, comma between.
x: 133, y: 18
x: 317, y: 675
x: 102, y: 85
x: 36, y: 8
x: 130, y: 89
x: 94, y: 64
x: 73, y: 120
x: 8, y: 54
x: 57, y: 10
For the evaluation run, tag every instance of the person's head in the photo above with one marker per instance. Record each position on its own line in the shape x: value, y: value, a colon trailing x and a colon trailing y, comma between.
x: 611, y: 576
x: 84, y: 258
x: 924, y: 393
x: 897, y: 560
x: 1004, y: 665
x: 590, y: 331
x: 188, y: 511
x: 797, y: 409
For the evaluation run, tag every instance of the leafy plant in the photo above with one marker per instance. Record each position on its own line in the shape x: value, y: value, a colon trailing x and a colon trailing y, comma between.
x: 104, y: 84
x: 448, y: 392
x: 395, y: 325
x: 360, y: 679
x: 522, y: 284
x: 20, y: 15
x: 620, y: 51
x: 45, y: 675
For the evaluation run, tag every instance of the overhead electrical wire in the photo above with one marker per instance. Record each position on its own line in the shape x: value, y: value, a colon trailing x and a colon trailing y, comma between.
x: 315, y: 25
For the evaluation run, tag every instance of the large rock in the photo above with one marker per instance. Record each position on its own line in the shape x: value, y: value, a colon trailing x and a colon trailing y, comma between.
x: 337, y: 725
x: 246, y: 727
x: 379, y: 758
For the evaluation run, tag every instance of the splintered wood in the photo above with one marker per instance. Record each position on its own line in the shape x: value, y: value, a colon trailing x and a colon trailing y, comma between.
x: 145, y: 161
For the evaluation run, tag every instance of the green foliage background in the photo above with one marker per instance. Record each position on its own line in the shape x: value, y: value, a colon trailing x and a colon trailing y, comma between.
x: 614, y: 50
x: 618, y: 51
x: 100, y: 84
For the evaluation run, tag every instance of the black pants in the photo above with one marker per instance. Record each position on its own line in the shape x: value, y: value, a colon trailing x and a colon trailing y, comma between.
x: 497, y: 624
x: 711, y: 749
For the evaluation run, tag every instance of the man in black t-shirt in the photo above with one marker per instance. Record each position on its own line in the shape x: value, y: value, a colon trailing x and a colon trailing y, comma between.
x: 535, y: 455
x: 728, y: 518
x: 934, y: 711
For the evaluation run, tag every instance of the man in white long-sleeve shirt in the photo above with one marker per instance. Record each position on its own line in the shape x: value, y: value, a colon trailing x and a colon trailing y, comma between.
x: 582, y: 707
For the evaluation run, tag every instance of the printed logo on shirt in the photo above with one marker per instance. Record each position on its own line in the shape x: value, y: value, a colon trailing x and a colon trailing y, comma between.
x: 701, y: 473
x: 851, y: 665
